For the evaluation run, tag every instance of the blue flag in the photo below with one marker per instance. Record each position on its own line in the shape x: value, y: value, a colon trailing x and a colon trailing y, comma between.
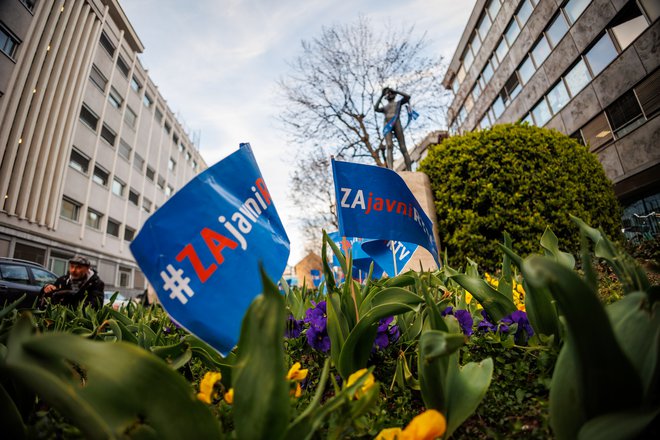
x: 392, y: 256
x: 202, y: 249
x: 361, y: 260
x: 375, y: 202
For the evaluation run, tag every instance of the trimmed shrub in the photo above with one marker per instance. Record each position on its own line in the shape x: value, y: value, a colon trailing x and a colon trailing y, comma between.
x: 516, y: 178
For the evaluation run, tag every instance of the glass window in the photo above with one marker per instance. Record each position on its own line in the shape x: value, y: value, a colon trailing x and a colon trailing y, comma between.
x: 597, y: 132
x: 574, y: 9
x: 652, y: 8
x: 113, y: 228
x: 511, y: 88
x: 147, y: 101
x: 125, y: 277
x: 135, y: 84
x: 146, y: 204
x: 488, y: 72
x: 455, y: 85
x: 107, y: 44
x: 468, y: 58
x: 161, y: 182
x: 70, y: 209
x: 138, y: 162
x: 541, y: 113
x: 601, y: 54
x: 475, y: 44
x: 476, y: 91
x: 625, y: 114
x: 14, y: 273
x: 498, y: 107
x: 526, y: 70
x: 168, y: 127
x: 151, y: 174
x: 528, y: 119
x: 493, y: 8
x: 188, y: 156
x: 540, y: 51
x: 122, y: 66
x: 78, y: 161
x: 648, y: 94
x: 8, y: 43
x: 524, y: 12
x: 577, y: 78
x: 88, y: 117
x: 94, y: 219
x: 158, y: 115
x: 194, y: 165
x: 628, y: 25
x: 129, y: 233
x: 100, y: 176
x: 115, y: 98
x: 130, y: 117
x: 557, y: 29
x: 171, y: 165
x: 501, y: 50
x: 42, y: 277
x: 97, y: 78
x: 511, y: 32
x: 108, y: 135
x: 485, y: 122
x: 169, y: 190
x: 125, y: 149
x: 461, y: 73
x: 483, y: 26
x: 558, y: 97
x: 469, y: 103
x: 134, y: 197
x: 118, y: 187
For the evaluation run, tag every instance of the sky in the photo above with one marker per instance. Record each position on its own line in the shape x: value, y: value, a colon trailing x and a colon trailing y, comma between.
x: 216, y: 63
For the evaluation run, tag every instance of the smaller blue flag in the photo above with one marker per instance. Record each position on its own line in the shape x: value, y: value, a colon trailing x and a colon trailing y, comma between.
x: 201, y: 251
x: 392, y: 256
x: 361, y: 260
x: 375, y: 203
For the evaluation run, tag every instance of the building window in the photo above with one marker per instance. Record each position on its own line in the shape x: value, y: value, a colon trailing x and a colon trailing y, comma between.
x: 526, y: 70
x: 194, y: 166
x: 97, y: 78
x: 135, y: 84
x: 78, y: 161
x: 130, y: 117
x: 628, y: 25
x: 151, y: 174
x: 597, y: 132
x: 158, y: 115
x: 648, y: 93
x: 29, y: 4
x: 161, y: 183
x: 134, y: 197
x: 574, y: 9
x: 502, y: 50
x: 125, y: 277
x: 625, y: 114
x: 652, y: 9
x: 138, y: 162
x: 541, y: 113
x: 146, y: 204
x: 498, y: 107
x: 122, y: 66
x: 511, y: 32
x: 601, y: 54
x: 487, y: 73
x: 100, y: 176
x: 129, y: 233
x: 188, y: 156
x: 511, y: 88
x: 171, y: 165
x: 467, y: 57
x: 577, y: 78
x: 94, y: 219
x: 112, y: 228
x: 88, y: 117
x: 558, y: 97
x: 70, y: 209
x: 118, y: 187
x: 107, y: 44
x: 125, y: 150
x: 493, y: 8
x: 108, y: 135
x: 115, y: 98
x: 168, y: 127
x: 181, y: 147
x: 540, y: 51
x: 147, y: 101
x: 524, y: 12
x: 483, y: 26
x: 557, y: 29
x: 169, y: 190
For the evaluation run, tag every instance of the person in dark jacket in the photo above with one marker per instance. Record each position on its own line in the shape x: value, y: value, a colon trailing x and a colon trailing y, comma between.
x: 80, y: 285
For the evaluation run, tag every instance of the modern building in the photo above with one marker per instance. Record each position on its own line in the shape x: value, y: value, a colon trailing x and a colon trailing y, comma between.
x: 88, y: 146
x: 586, y: 68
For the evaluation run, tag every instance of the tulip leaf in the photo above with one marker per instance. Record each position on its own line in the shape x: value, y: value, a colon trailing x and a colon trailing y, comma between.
x: 625, y: 425
x: 467, y: 386
x: 496, y: 305
x: 435, y: 348
x: 567, y: 412
x: 550, y: 243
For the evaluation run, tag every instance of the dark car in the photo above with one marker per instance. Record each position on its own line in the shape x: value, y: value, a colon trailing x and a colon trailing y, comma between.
x: 18, y: 277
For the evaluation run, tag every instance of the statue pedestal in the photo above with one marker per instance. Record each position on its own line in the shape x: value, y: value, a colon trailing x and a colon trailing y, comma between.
x: 420, y: 185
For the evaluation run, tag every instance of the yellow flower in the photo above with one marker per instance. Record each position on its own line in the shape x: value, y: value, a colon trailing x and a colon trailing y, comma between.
x: 365, y: 386
x: 428, y: 425
x: 296, y: 392
x: 296, y: 373
x: 468, y: 297
x: 229, y: 396
x: 390, y: 434
x: 206, y: 386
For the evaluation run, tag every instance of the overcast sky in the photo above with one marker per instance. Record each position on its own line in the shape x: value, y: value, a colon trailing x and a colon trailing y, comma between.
x: 216, y: 63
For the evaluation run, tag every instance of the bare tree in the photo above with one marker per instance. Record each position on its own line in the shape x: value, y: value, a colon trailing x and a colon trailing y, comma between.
x: 328, y: 105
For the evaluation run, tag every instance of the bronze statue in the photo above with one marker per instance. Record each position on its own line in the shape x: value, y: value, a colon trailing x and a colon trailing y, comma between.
x: 392, y: 111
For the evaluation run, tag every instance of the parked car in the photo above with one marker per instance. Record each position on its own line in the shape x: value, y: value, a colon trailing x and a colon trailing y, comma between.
x: 18, y: 277
x: 119, y: 302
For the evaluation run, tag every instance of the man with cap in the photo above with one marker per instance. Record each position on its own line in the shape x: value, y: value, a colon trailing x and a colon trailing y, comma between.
x: 81, y: 284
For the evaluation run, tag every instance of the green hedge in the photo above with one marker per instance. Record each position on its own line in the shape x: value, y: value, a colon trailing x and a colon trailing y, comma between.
x: 516, y: 178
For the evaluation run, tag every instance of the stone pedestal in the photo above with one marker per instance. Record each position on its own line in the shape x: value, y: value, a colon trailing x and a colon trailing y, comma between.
x: 420, y: 185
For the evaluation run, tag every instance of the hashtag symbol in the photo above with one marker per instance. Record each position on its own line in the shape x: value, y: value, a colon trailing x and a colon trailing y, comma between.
x: 176, y: 284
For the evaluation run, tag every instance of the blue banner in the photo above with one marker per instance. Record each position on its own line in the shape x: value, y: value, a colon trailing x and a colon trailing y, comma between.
x: 361, y: 260
x: 392, y: 256
x: 375, y: 202
x: 202, y: 249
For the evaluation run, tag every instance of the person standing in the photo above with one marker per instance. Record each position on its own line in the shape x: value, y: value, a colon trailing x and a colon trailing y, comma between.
x: 81, y: 285
x: 392, y: 111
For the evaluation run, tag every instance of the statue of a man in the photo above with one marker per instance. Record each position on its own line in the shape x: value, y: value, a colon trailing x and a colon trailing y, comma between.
x: 392, y: 111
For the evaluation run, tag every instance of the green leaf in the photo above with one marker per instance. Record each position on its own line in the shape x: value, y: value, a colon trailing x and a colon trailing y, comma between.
x: 625, y: 425
x: 496, y: 305
x: 261, y: 393
x: 10, y: 418
x: 467, y: 387
x: 336, y: 325
x: 567, y: 409
x: 87, y: 382
x: 435, y: 347
x: 550, y: 243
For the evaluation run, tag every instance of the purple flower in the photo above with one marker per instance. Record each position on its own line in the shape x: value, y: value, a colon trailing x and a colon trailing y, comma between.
x: 318, y: 340
x: 386, y: 334
x: 448, y: 311
x: 463, y: 317
x: 293, y: 327
x: 485, y: 325
x: 524, y: 330
x: 316, y: 316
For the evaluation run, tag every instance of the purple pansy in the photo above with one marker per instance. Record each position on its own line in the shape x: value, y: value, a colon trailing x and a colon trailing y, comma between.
x: 293, y: 327
x: 318, y: 340
x: 317, y: 334
x: 463, y: 317
x: 386, y: 334
x: 524, y: 330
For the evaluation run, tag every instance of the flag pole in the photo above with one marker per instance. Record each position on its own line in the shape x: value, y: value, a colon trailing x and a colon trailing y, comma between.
x: 396, y: 271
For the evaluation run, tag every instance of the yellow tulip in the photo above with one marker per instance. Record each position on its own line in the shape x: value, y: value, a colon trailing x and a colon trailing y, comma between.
x: 206, y: 386
x: 365, y: 386
x: 229, y: 396
x: 296, y: 373
x: 428, y: 425
x: 390, y: 434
